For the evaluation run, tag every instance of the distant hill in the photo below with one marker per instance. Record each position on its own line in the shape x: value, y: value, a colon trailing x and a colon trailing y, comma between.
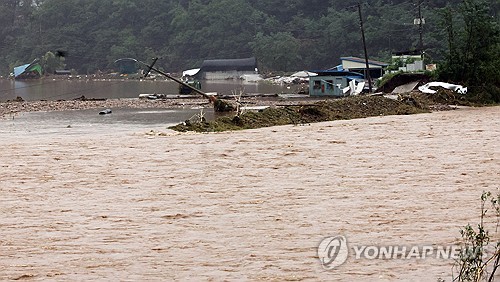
x: 283, y: 35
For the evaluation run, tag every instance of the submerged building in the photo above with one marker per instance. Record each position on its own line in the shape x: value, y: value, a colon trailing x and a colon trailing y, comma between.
x: 227, y: 69
x: 127, y: 66
x: 356, y: 64
x: 332, y: 82
x: 33, y: 70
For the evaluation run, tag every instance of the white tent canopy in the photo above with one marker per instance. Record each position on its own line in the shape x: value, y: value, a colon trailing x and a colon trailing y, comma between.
x: 191, y: 72
x: 304, y: 74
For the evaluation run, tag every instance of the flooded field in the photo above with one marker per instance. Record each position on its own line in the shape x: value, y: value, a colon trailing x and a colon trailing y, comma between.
x: 49, y: 89
x: 137, y: 202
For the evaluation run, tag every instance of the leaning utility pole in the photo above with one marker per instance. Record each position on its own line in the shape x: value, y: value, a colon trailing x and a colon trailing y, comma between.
x: 364, y: 47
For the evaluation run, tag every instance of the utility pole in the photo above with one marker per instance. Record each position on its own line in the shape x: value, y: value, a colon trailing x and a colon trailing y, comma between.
x: 421, y: 22
x: 364, y: 47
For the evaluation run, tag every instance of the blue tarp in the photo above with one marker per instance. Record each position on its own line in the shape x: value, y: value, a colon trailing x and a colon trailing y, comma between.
x: 32, y: 70
x: 20, y: 70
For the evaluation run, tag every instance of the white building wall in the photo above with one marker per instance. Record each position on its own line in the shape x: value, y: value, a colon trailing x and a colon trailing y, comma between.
x: 221, y: 75
x: 355, y: 65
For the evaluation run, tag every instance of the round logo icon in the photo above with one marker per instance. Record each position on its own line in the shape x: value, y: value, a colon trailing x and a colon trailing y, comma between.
x: 333, y: 251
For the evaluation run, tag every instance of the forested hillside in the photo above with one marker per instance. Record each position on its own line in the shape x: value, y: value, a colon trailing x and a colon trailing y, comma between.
x: 283, y: 35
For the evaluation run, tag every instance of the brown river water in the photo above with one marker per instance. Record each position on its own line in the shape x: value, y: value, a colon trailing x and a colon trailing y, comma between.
x: 60, y: 89
x: 138, y: 202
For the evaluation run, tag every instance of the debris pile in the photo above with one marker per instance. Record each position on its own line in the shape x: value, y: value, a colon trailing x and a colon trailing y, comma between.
x: 388, y: 85
x: 443, y: 99
x: 345, y: 108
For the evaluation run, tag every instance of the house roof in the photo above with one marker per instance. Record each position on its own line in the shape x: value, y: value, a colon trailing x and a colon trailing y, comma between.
x: 34, y: 66
x: 407, y: 53
x: 333, y: 72
x: 20, y: 69
x: 247, y: 64
x: 359, y: 60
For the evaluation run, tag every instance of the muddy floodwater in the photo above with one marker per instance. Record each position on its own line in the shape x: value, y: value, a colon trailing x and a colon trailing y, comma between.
x: 61, y: 89
x: 134, y: 201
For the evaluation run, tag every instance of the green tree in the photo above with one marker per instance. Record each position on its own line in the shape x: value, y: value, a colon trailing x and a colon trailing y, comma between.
x: 278, y: 51
x: 473, y: 44
x: 50, y: 62
x: 218, y: 29
x: 11, y: 13
x: 185, y: 32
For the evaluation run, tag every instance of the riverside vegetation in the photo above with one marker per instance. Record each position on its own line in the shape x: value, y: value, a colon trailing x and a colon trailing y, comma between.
x: 475, y: 263
x: 283, y: 35
x: 346, y: 108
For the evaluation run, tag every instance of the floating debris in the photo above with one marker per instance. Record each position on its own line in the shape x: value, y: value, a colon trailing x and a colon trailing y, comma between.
x: 436, y: 84
x: 105, y: 112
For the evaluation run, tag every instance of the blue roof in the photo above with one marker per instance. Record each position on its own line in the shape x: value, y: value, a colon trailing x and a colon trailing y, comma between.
x: 339, y: 68
x: 34, y: 66
x: 20, y: 70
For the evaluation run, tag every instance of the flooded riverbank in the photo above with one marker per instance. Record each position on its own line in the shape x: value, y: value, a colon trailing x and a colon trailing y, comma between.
x: 85, y: 121
x: 61, y: 89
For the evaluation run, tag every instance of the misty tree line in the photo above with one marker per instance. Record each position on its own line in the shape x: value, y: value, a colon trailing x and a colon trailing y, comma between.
x: 283, y: 35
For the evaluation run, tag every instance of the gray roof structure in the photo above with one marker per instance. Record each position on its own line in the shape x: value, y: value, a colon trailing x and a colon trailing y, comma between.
x: 247, y: 64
